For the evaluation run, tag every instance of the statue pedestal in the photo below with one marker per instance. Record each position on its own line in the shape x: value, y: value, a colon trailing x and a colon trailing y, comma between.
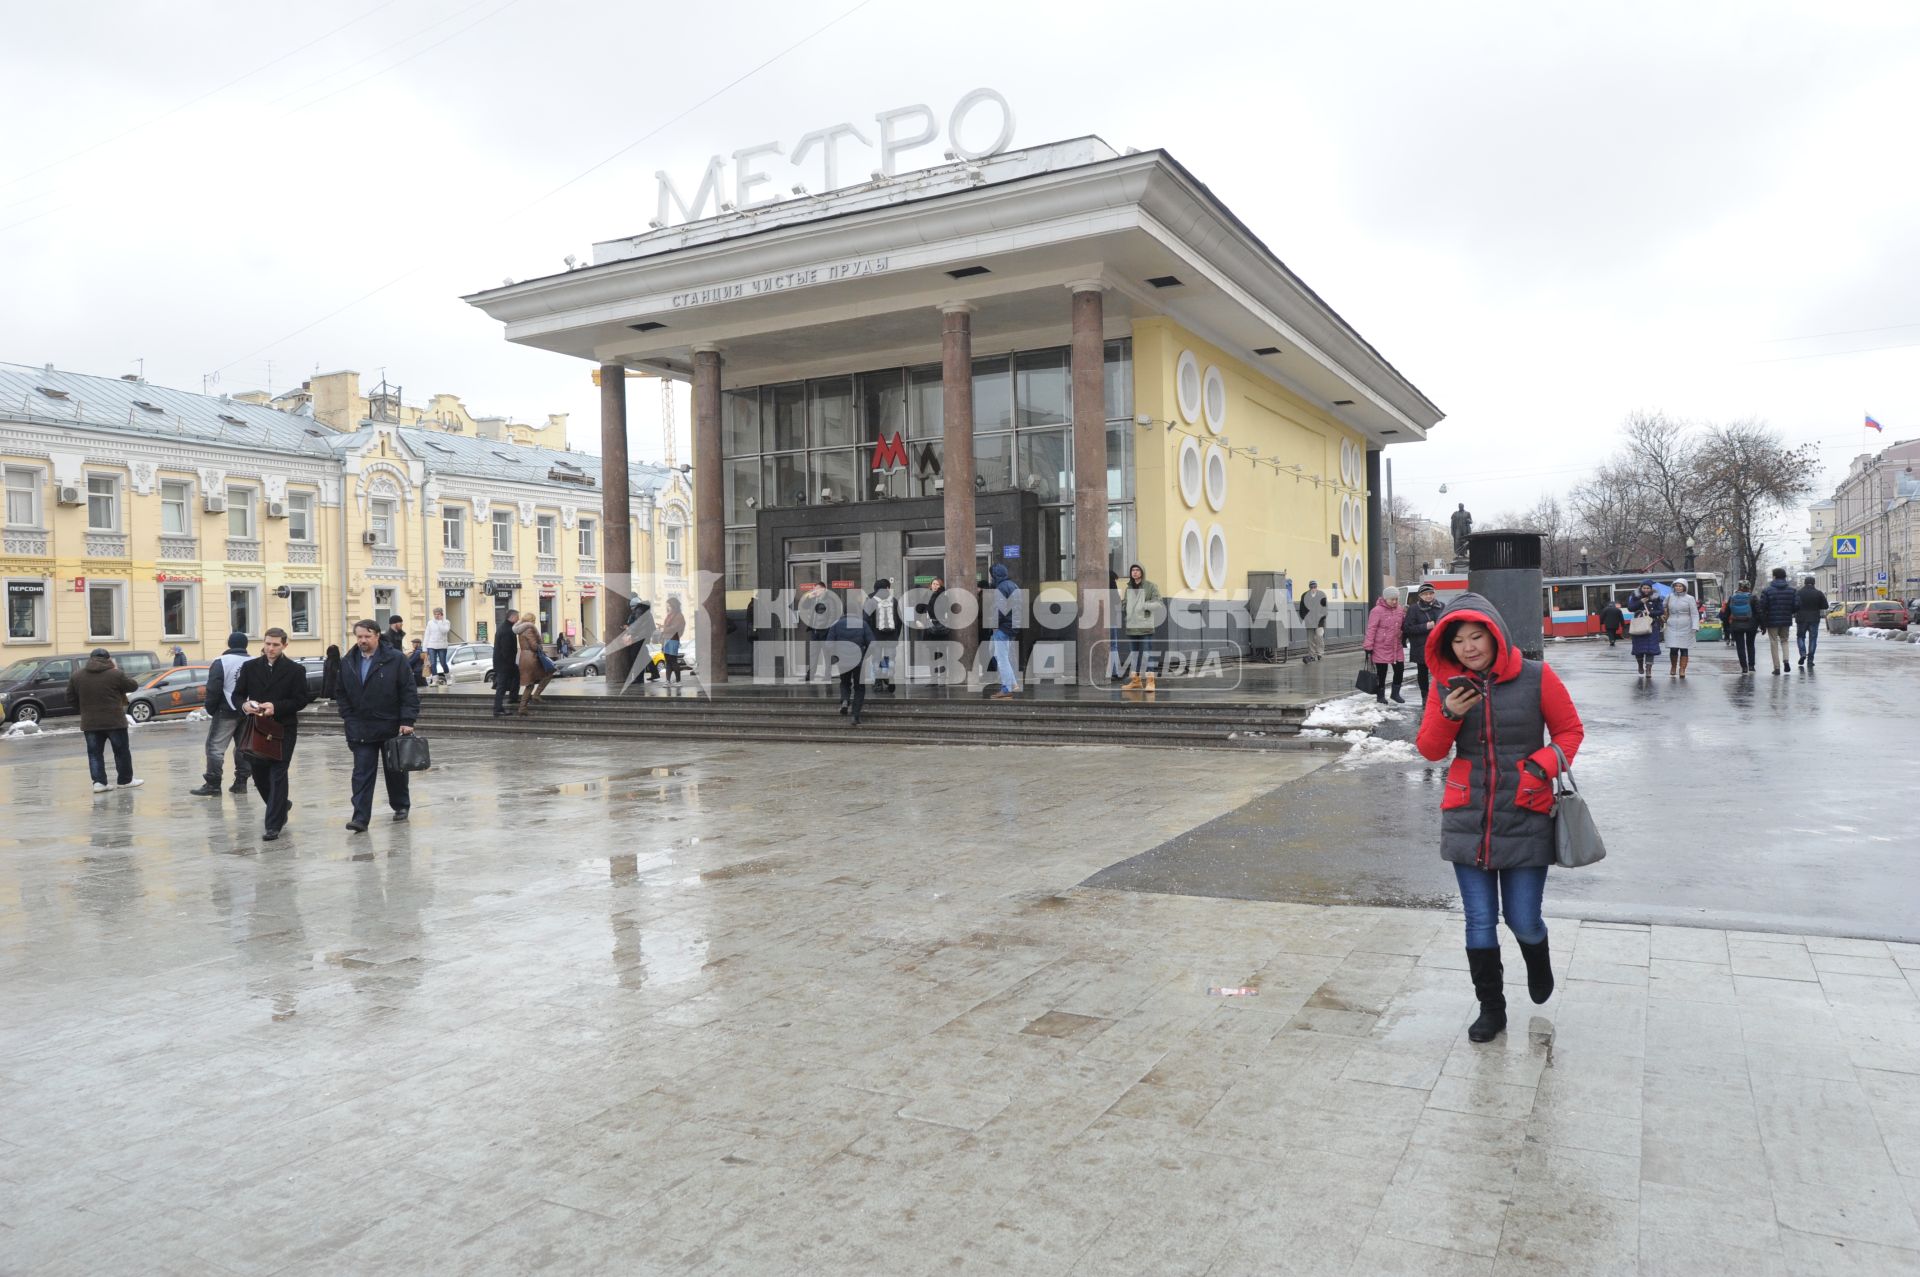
x: 1459, y: 563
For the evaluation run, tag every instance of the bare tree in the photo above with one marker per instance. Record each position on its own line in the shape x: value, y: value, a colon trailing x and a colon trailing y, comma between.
x: 1612, y: 515
x: 1663, y: 460
x: 1748, y: 478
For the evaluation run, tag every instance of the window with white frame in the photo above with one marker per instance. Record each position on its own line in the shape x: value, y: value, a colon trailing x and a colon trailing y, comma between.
x: 103, y: 503
x: 453, y: 528
x: 23, y: 496
x: 26, y: 610
x: 176, y: 507
x: 503, y: 532
x: 300, y: 516
x: 106, y: 610
x: 179, y: 611
x: 543, y: 534
x: 380, y: 520
x: 240, y: 514
x: 300, y: 603
x: 243, y: 608
x: 674, y: 531
x: 589, y: 542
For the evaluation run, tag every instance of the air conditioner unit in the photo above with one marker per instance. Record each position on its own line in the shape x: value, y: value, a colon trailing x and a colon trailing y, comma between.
x: 276, y: 509
x: 214, y: 505
x: 369, y: 538
x: 70, y: 495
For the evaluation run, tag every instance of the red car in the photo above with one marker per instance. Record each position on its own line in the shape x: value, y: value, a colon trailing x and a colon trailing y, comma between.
x: 1883, y: 614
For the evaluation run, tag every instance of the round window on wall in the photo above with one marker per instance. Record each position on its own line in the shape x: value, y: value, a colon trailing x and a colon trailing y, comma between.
x: 1346, y: 521
x: 1346, y: 462
x: 1186, y: 381
x: 1190, y: 471
x: 1217, y: 478
x: 1192, y: 555
x: 1213, y: 393
x: 1216, y: 557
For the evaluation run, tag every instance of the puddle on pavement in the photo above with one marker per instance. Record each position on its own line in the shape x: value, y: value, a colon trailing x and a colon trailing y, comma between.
x: 745, y: 869
x: 600, y: 784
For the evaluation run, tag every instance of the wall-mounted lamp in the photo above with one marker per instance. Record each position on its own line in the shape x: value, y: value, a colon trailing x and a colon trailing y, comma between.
x: 753, y: 503
x: 1143, y: 421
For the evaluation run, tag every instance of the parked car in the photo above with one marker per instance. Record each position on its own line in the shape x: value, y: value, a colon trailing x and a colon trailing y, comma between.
x: 179, y: 690
x: 36, y: 687
x: 585, y: 663
x: 316, y: 674
x: 470, y: 661
x: 1881, y: 614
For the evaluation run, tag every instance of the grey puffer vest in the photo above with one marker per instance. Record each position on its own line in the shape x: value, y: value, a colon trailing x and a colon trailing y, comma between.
x: 1494, y: 832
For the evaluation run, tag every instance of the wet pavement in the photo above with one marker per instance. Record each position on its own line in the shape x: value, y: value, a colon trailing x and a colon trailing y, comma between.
x: 719, y: 1009
x: 1766, y: 802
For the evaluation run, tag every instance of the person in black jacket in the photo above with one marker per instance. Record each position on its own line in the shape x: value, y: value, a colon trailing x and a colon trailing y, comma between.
x: 1807, y: 619
x: 1612, y: 621
x: 846, y: 645
x: 1777, y: 605
x: 395, y: 635
x: 330, y: 672
x: 506, y: 666
x: 274, y: 685
x: 1421, y: 615
x: 377, y: 702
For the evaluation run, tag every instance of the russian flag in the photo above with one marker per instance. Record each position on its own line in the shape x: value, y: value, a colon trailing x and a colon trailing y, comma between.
x: 1872, y: 424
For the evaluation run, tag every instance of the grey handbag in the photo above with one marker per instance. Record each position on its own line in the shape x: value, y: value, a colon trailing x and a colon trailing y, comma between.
x: 1576, y: 838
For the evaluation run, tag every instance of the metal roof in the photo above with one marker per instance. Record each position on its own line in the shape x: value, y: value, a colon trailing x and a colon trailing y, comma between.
x: 503, y: 461
x: 153, y: 412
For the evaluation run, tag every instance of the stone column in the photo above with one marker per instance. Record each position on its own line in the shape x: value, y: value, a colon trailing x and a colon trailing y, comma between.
x: 1089, y: 476
x: 956, y: 467
x: 616, y: 517
x: 709, y: 520
x: 1376, y: 533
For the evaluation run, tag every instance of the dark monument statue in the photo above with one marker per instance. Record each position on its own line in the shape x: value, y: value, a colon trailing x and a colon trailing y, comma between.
x: 1462, y: 526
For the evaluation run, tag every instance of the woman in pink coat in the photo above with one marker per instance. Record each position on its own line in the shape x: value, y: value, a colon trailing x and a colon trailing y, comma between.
x: 1386, y: 646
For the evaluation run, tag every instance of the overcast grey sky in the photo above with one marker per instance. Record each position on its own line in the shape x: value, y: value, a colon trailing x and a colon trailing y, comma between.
x: 1545, y: 214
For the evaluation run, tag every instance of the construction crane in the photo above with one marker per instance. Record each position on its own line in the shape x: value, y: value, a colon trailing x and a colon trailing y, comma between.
x: 668, y: 432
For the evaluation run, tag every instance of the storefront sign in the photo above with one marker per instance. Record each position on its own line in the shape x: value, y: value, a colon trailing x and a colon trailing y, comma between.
x: 845, y: 585
x: 890, y: 454
x: 33, y: 588
x: 1009, y: 551
x: 80, y: 584
x: 785, y: 281
x: 173, y: 578
x: 902, y: 129
x: 589, y: 589
x: 457, y: 592
x: 548, y: 589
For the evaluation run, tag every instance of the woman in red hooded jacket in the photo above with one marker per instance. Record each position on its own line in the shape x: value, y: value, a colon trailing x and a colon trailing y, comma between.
x: 1501, y: 717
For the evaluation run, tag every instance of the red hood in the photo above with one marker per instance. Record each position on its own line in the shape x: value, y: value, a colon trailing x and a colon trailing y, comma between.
x: 1471, y: 607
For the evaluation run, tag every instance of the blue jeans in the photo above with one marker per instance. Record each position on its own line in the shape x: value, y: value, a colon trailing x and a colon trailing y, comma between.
x: 97, y: 743
x: 1003, y: 656
x: 1140, y: 655
x: 1481, y: 893
x: 1808, y: 638
x: 437, y: 657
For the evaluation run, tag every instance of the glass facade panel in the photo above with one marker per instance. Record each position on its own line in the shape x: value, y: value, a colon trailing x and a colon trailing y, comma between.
x: 883, y: 404
x: 740, y: 559
x: 743, y: 485
x: 831, y: 413
x: 926, y: 403
x: 784, y: 479
x: 740, y: 423
x: 924, y: 470
x: 1042, y: 388
x: 783, y: 417
x: 1052, y: 559
x: 1120, y: 540
x: 992, y: 462
x: 1119, y: 379
x: 1046, y: 464
x: 836, y: 478
x: 1120, y: 462
x: 992, y: 394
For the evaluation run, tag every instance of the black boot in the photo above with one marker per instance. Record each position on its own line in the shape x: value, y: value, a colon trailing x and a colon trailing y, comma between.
x: 1485, y: 966
x: 1539, y: 969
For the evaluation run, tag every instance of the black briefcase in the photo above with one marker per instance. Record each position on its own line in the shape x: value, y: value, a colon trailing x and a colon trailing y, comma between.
x: 408, y: 753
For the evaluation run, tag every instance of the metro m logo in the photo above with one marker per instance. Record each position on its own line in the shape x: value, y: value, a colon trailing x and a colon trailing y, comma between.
x: 890, y: 454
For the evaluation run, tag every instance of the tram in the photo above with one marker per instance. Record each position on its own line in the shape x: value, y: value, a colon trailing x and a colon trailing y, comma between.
x: 1571, y: 604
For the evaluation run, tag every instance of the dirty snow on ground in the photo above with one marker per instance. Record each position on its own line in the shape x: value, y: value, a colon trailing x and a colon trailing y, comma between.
x: 1371, y: 749
x: 1874, y: 632
x: 1356, y: 711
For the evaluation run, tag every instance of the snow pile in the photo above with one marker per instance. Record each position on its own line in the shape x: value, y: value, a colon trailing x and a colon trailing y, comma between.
x: 1369, y: 750
x: 198, y: 716
x: 1875, y: 632
x: 1356, y: 711
x: 20, y: 731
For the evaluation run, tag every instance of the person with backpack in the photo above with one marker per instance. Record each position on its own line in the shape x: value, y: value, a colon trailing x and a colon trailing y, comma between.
x: 1740, y: 620
x: 884, y: 622
x: 1777, y: 605
x: 1808, y: 616
x: 1649, y: 619
x: 224, y: 719
x: 1502, y: 718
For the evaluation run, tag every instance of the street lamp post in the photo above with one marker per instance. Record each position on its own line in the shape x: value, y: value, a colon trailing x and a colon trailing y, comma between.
x: 1689, y: 554
x: 1583, y: 561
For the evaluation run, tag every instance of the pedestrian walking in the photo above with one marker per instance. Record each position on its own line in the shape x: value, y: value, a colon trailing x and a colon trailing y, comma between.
x: 1006, y: 630
x: 1500, y: 716
x: 882, y: 617
x: 1649, y: 616
x: 847, y: 640
x: 1779, y: 603
x: 1810, y: 613
x: 1313, y: 614
x: 417, y: 664
x: 274, y: 685
x: 534, y: 669
x: 224, y: 717
x: 439, y: 637
x: 179, y: 656
x: 673, y: 630
x: 1612, y: 620
x: 395, y: 635
x: 1139, y: 617
x: 1740, y: 622
x: 98, y: 689
x: 1421, y: 616
x: 330, y: 672
x: 378, y: 701
x: 1384, y: 647
x: 1683, y: 622
x: 506, y: 665
x: 927, y: 632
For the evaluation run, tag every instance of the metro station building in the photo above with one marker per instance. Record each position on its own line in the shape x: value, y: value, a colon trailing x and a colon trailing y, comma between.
x: 1062, y: 360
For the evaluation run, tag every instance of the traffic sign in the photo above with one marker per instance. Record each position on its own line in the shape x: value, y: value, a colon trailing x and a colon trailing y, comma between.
x: 1882, y: 578
x: 1846, y: 547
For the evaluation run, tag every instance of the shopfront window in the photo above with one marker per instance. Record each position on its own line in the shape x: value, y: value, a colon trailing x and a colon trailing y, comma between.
x: 993, y: 462
x: 1046, y: 464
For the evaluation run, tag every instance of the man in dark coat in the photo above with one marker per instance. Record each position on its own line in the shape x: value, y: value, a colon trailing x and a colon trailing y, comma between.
x: 395, y: 635
x: 1612, y: 621
x: 1422, y: 613
x: 506, y: 666
x: 846, y: 645
x: 1777, y: 605
x: 377, y: 701
x: 99, y: 690
x: 1809, y: 614
x: 274, y: 685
